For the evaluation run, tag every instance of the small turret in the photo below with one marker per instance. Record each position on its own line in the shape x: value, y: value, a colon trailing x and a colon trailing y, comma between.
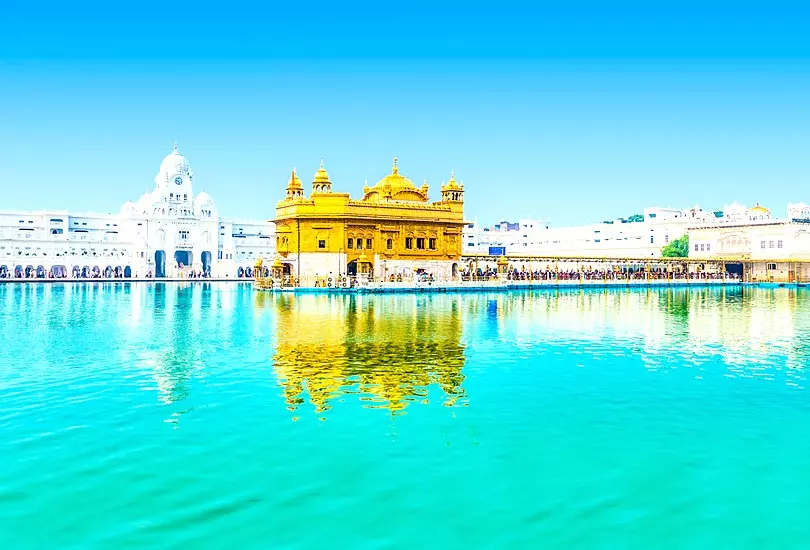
x: 321, y: 183
x: 295, y: 190
x: 452, y: 191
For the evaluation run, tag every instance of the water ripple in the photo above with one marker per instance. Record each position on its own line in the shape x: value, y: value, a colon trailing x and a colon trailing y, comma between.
x: 207, y: 416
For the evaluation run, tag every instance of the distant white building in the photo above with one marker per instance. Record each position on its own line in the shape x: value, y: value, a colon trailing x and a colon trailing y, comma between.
x: 615, y: 238
x: 168, y: 232
x: 619, y: 238
x: 778, y: 249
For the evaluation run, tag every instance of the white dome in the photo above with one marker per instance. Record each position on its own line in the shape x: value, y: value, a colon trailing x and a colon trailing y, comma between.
x: 173, y: 164
x: 203, y: 198
x: 146, y: 203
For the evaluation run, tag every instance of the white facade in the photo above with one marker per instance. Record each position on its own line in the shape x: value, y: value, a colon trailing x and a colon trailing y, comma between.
x: 617, y: 238
x: 613, y: 239
x: 778, y: 249
x: 168, y: 232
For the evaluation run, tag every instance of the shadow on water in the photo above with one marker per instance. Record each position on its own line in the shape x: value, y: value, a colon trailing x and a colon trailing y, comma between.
x: 389, y: 353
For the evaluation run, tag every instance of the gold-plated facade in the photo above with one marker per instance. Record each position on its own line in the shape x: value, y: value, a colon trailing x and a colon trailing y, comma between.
x: 394, y: 228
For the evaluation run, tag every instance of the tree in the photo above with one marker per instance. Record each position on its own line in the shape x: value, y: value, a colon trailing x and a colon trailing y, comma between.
x: 635, y: 218
x: 679, y: 248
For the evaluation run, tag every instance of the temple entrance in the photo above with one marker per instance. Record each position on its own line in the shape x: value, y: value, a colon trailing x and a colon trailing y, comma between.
x: 160, y: 264
x: 287, y: 269
x: 735, y: 269
x: 183, y: 258
x: 351, y: 268
x: 205, y: 258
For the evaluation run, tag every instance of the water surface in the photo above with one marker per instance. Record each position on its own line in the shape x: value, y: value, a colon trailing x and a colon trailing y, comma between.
x: 208, y: 416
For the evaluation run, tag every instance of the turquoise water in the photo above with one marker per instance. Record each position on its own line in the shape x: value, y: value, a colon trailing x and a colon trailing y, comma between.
x: 207, y: 416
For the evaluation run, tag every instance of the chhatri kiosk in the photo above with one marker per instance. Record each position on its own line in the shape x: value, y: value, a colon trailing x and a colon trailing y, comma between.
x: 392, y: 233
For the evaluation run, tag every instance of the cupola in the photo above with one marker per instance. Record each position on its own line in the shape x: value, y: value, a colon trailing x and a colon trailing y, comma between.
x: 174, y: 165
x: 452, y: 191
x: 295, y: 190
x: 321, y: 183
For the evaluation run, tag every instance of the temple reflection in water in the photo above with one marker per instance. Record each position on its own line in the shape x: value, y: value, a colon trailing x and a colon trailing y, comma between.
x: 331, y: 346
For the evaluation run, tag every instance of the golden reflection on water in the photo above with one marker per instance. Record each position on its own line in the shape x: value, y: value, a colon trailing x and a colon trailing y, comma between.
x: 395, y: 350
x: 330, y: 346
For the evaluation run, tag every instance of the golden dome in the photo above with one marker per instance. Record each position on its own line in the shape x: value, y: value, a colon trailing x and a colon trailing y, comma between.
x: 760, y: 209
x: 452, y: 183
x: 396, y: 181
x: 321, y: 177
x: 295, y: 181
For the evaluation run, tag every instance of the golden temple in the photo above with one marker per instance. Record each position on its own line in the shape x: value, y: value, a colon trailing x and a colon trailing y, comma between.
x: 393, y: 231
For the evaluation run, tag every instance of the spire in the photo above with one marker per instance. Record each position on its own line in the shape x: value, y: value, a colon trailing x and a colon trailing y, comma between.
x: 395, y: 170
x: 294, y: 187
x: 175, y: 146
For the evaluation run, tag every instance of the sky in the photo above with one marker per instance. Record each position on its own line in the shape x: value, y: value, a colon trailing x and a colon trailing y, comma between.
x: 570, y: 112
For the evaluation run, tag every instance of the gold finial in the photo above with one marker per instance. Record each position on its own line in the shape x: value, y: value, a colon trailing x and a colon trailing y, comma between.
x: 321, y: 162
x: 396, y: 170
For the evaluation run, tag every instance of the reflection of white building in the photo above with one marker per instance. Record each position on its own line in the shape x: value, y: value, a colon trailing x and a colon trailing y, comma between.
x: 167, y: 232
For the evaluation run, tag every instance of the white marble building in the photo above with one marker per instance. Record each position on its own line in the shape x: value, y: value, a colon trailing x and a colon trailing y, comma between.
x: 622, y: 238
x: 778, y: 249
x: 168, y: 232
x: 611, y: 239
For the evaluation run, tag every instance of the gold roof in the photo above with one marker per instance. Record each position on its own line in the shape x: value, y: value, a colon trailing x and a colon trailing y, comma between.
x: 295, y: 181
x: 759, y: 208
x: 397, y: 181
x: 452, y: 183
x: 321, y: 176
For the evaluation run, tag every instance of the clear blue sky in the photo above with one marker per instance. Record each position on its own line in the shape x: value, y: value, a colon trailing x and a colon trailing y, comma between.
x: 570, y: 111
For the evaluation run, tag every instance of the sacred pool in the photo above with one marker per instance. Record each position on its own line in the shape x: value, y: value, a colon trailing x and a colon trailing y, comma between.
x: 207, y: 415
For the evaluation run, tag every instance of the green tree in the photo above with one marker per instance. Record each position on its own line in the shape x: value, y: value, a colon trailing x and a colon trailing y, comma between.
x: 635, y: 218
x: 679, y: 248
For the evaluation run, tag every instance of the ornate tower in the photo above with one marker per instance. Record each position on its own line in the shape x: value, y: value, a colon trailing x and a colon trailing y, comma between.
x: 321, y: 183
x: 452, y: 192
x: 294, y: 188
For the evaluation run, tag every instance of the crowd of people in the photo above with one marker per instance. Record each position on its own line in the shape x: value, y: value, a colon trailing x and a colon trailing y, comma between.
x: 606, y: 274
